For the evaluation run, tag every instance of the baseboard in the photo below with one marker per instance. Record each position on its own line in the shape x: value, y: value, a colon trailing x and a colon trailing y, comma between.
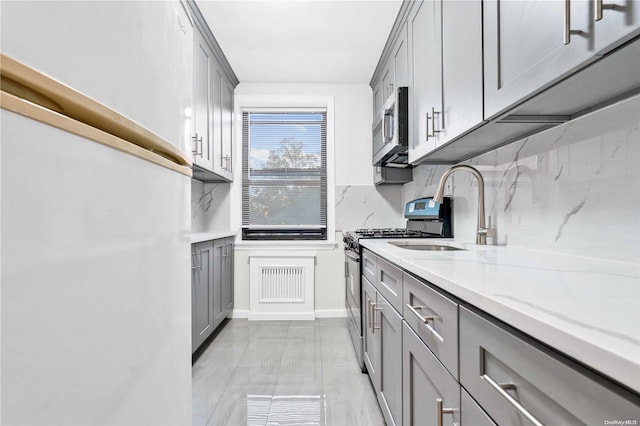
x: 331, y: 313
x: 281, y: 316
x: 240, y: 313
x: 320, y: 313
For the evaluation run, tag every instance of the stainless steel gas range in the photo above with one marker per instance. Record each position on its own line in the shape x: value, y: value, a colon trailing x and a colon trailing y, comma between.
x: 425, y: 219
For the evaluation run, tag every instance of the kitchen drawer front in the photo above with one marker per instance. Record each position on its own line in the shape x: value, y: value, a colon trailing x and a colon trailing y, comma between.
x: 369, y: 265
x: 424, y: 381
x: 512, y: 378
x: 440, y: 334
x: 389, y: 283
x: 470, y: 412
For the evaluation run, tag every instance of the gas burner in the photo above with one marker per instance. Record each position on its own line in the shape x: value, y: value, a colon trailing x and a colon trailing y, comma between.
x: 388, y: 233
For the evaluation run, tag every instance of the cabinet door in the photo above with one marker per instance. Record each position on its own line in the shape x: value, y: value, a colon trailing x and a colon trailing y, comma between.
x: 401, y: 59
x: 227, y: 278
x: 430, y: 395
x: 203, y: 69
x: 462, y: 65
x: 471, y: 414
x: 202, y: 320
x: 525, y: 47
x: 226, y: 160
x: 218, y: 311
x: 390, y: 334
x: 426, y: 74
x: 388, y: 80
x: 371, y: 353
x: 378, y: 99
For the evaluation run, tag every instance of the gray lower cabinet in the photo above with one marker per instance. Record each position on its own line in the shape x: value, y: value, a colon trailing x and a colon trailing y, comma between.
x: 202, y: 293
x: 227, y: 277
x: 517, y: 381
x: 371, y: 353
x: 431, y: 396
x: 383, y: 352
x: 211, y: 287
x: 470, y: 412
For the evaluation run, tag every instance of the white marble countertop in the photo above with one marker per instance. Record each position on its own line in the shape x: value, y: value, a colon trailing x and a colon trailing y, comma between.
x: 207, y: 236
x: 586, y: 308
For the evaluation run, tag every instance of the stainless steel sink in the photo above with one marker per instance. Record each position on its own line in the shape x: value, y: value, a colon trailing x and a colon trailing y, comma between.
x: 414, y: 245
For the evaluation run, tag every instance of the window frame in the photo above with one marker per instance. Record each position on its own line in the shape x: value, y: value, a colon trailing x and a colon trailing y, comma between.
x: 288, y: 233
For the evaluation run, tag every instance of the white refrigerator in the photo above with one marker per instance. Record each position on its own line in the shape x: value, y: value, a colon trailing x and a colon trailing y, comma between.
x: 95, y: 292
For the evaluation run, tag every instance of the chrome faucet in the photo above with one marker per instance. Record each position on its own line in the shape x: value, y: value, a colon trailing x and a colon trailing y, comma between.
x: 482, y: 230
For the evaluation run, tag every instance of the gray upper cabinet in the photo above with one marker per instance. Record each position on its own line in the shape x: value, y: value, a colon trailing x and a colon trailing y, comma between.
x: 203, y: 97
x: 529, y: 46
x: 401, y: 59
x: 426, y: 76
x: 446, y: 47
x: 462, y: 107
x: 213, y: 102
x: 482, y: 74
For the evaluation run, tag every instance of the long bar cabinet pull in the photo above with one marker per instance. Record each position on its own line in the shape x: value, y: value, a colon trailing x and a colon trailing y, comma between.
x: 433, y: 121
x: 424, y: 319
x: 427, y: 129
x: 375, y: 308
x: 568, y: 32
x: 500, y: 388
x: 600, y: 6
x: 197, y: 140
x: 442, y: 411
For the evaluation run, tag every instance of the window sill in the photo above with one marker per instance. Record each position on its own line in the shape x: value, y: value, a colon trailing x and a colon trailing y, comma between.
x: 285, y: 245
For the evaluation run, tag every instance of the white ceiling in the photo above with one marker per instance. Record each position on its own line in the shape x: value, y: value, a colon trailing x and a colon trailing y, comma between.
x: 301, y: 41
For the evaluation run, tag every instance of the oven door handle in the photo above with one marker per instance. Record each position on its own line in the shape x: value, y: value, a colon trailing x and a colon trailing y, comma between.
x: 352, y: 256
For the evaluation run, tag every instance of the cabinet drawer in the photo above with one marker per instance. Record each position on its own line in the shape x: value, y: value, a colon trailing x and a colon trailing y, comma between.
x: 470, y: 412
x: 440, y: 333
x: 424, y: 382
x: 369, y: 265
x: 389, y: 283
x: 511, y: 378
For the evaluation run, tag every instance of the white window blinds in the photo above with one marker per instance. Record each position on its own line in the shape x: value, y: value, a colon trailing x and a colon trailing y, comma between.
x: 284, y: 175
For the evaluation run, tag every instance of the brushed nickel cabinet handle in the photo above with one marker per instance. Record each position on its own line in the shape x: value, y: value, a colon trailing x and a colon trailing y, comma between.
x: 414, y: 309
x: 500, y: 388
x: 197, y: 140
x: 425, y: 320
x: 600, y: 6
x: 374, y: 308
x: 568, y: 32
x: 369, y: 306
x: 433, y: 121
x: 442, y: 411
x: 427, y: 131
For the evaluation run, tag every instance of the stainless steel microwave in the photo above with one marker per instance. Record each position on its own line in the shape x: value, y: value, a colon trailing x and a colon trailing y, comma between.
x: 391, y: 132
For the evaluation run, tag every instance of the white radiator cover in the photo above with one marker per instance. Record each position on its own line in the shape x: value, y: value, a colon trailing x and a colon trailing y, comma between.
x: 281, y: 286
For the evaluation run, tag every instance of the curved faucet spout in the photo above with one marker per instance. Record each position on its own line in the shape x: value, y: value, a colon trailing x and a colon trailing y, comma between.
x: 482, y: 231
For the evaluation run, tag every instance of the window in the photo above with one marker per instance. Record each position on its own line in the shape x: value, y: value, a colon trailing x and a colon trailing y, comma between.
x: 284, y: 175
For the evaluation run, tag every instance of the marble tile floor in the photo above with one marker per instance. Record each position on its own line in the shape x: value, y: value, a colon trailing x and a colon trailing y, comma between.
x: 282, y: 373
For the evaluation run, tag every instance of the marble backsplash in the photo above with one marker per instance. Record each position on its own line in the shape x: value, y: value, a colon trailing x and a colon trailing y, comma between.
x: 210, y: 208
x: 368, y: 206
x: 572, y: 189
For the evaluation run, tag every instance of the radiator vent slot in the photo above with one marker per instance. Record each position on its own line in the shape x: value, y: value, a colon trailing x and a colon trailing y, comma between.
x: 282, y: 284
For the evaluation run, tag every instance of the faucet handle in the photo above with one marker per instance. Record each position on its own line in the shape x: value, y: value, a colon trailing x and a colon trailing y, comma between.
x: 488, y: 231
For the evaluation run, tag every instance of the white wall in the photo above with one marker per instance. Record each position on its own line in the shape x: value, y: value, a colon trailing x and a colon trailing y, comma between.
x: 571, y: 189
